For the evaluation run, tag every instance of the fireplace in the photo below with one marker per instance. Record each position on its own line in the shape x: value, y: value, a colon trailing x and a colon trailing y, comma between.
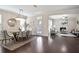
x: 63, y: 29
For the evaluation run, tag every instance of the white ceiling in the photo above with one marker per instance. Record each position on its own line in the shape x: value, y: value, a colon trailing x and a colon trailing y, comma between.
x: 30, y: 10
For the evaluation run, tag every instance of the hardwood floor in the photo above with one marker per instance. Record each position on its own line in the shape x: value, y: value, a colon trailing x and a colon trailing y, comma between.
x: 51, y: 45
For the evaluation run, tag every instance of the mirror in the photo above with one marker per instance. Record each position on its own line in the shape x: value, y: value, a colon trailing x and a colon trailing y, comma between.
x: 12, y: 22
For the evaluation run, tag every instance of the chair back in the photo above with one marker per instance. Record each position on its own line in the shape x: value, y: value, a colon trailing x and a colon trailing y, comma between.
x: 24, y: 34
x: 1, y: 35
x: 20, y: 34
x: 5, y: 34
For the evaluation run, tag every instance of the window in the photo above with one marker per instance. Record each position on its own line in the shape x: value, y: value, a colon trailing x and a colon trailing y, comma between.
x: 39, y: 24
x: 39, y: 17
x: 22, y: 23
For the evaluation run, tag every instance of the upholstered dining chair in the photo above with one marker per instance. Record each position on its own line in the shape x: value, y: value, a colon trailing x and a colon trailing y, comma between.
x: 28, y: 34
x: 1, y: 37
x: 24, y: 35
x: 7, y: 37
x: 21, y: 35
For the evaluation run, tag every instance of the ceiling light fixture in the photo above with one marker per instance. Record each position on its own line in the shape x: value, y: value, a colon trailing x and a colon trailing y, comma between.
x: 20, y: 13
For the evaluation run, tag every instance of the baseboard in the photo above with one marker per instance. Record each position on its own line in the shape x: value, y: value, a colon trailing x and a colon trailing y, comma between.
x: 39, y: 35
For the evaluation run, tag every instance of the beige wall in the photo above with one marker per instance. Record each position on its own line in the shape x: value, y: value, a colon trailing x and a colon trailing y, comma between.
x: 45, y: 25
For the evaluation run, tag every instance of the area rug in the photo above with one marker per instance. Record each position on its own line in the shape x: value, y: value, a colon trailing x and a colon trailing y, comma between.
x: 14, y: 46
x: 66, y: 35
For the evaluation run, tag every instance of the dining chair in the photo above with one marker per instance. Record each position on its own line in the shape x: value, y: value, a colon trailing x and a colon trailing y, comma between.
x: 7, y: 37
x: 24, y: 35
x: 28, y: 34
x: 1, y: 37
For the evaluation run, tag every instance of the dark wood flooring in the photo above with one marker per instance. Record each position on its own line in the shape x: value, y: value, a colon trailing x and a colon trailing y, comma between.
x: 51, y: 45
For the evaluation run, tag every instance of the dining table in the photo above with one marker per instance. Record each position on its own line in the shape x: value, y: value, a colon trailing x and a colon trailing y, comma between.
x: 15, y: 34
